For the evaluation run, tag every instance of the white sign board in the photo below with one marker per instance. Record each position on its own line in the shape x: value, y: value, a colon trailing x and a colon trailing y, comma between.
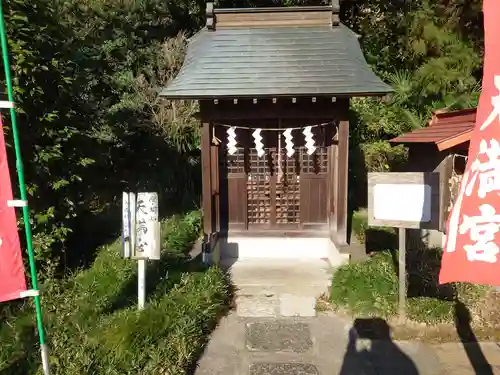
x: 404, y: 199
x: 402, y: 202
x: 147, y: 227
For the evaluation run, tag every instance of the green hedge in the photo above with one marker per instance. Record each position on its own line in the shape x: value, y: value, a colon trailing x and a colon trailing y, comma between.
x: 92, y: 320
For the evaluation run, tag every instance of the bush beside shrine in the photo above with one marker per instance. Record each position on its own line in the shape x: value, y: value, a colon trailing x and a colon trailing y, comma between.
x: 92, y: 320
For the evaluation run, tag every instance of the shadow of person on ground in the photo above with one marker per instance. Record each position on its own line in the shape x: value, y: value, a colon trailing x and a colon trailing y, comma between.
x: 471, y: 346
x: 371, y: 350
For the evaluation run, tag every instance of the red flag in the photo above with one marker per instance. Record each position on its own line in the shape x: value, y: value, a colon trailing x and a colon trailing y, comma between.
x: 472, y: 250
x: 12, y: 279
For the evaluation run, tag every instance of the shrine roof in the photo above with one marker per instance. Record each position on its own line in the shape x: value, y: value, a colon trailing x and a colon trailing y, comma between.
x: 266, y: 52
x: 445, y: 130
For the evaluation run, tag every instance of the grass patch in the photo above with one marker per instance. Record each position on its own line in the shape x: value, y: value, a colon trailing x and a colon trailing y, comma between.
x: 366, y: 288
x: 92, y: 320
x: 370, y: 289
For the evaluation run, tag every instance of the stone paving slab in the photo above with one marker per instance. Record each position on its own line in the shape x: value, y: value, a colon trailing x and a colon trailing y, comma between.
x: 297, y: 306
x: 409, y: 358
x: 470, y: 358
x: 283, y: 369
x: 269, y: 305
x: 242, y: 345
x: 464, y: 354
x: 225, y: 354
x: 279, y: 336
x: 258, y: 306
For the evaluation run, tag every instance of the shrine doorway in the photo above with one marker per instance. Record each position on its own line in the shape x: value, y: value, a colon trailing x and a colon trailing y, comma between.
x: 275, y: 189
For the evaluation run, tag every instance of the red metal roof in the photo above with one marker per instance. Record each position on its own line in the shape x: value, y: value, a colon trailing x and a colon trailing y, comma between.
x: 445, y: 130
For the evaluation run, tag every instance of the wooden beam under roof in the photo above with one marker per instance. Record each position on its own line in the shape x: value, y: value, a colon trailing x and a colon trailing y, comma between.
x: 273, y: 16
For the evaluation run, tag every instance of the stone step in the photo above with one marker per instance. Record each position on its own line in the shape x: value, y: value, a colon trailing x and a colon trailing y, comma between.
x: 283, y: 269
x: 268, y: 291
x: 283, y: 305
x: 276, y: 262
x: 277, y: 290
x: 284, y: 287
x: 281, y: 247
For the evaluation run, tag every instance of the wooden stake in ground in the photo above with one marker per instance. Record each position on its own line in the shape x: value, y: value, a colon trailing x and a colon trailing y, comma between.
x: 402, y: 274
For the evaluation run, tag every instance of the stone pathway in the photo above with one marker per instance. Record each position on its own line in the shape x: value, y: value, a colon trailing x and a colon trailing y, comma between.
x: 325, y: 345
x: 275, y: 331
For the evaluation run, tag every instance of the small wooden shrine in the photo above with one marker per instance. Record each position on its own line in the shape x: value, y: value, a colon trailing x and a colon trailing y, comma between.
x: 273, y: 86
x: 441, y: 147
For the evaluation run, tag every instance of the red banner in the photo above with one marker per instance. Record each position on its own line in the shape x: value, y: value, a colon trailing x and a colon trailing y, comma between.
x: 12, y: 279
x: 471, y: 253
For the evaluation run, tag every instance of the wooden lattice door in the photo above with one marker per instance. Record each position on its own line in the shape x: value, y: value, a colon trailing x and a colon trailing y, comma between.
x: 287, y: 190
x: 259, y: 190
x: 273, y: 190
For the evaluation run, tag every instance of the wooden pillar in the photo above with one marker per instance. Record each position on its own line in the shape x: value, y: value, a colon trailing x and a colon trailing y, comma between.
x: 214, y: 166
x: 333, y: 188
x: 207, y: 201
x: 342, y: 175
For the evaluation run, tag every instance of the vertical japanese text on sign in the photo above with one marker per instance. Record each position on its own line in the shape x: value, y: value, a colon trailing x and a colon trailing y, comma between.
x: 472, y: 245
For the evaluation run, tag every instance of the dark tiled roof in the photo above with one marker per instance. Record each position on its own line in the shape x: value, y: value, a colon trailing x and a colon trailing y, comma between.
x: 274, y: 61
x: 445, y: 130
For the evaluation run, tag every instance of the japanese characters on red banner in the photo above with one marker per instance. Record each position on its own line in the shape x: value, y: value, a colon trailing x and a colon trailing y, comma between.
x: 12, y: 278
x: 472, y: 248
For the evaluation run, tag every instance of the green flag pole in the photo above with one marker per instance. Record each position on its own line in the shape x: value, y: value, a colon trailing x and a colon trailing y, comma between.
x: 22, y: 188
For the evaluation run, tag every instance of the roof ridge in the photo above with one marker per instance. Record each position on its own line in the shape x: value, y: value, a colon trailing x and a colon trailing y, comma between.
x: 447, y: 113
x: 241, y: 15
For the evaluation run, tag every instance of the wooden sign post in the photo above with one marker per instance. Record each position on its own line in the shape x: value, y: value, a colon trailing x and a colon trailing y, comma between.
x: 403, y: 287
x: 141, y: 235
x: 407, y: 200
